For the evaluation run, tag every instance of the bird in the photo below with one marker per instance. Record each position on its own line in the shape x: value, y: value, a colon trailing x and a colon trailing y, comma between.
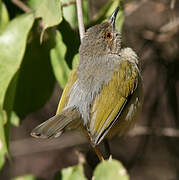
x: 104, y: 94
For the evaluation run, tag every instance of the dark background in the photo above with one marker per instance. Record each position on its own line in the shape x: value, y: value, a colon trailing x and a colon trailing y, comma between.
x: 151, y: 150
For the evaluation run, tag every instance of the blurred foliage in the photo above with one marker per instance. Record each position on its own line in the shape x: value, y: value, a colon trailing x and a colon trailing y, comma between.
x: 60, y: 68
x: 108, y: 170
x: 70, y: 15
x: 26, y: 177
x: 35, y: 49
x: 111, y: 169
x: 71, y: 173
x: 4, y: 16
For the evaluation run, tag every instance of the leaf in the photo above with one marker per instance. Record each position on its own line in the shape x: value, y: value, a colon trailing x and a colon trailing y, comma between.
x: 111, y: 169
x: 60, y: 67
x: 71, y: 39
x: 50, y: 12
x: 14, y: 119
x: 3, y: 145
x: 12, y: 44
x: 72, y: 173
x: 8, y: 106
x: 34, y: 4
x: 4, y: 16
x: 10, y: 94
x: 85, y: 8
x: 70, y: 13
x: 35, y: 79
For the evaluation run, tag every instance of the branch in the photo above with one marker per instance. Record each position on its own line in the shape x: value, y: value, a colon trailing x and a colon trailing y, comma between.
x: 80, y: 18
x: 144, y: 130
x: 25, y: 8
x: 68, y: 3
x: 170, y: 26
x: 132, y: 7
x: 22, y: 6
x: 31, y: 145
x: 172, y: 4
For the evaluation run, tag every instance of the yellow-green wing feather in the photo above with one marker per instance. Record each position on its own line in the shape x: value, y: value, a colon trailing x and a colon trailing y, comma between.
x: 109, y: 104
x: 76, y: 123
x: 64, y: 119
x: 64, y: 97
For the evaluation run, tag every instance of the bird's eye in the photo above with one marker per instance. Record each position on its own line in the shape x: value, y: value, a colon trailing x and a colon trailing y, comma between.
x: 108, y: 36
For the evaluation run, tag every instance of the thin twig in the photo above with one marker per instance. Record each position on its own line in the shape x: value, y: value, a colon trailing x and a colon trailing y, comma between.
x: 68, y: 3
x: 133, y: 7
x: 25, y: 8
x: 172, y: 4
x: 22, y: 6
x: 144, y: 130
x: 81, y: 157
x: 170, y: 26
x: 80, y: 18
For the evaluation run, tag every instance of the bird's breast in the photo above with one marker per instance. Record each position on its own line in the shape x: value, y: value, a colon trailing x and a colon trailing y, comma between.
x: 83, y: 93
x: 91, y: 78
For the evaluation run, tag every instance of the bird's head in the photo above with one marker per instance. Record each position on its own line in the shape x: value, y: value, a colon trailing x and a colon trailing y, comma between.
x: 102, y: 38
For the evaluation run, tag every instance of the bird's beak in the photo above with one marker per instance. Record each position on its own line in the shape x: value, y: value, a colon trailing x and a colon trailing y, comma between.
x: 113, y: 16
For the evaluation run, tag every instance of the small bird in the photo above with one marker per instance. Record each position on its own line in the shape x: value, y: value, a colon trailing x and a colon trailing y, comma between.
x: 103, y: 96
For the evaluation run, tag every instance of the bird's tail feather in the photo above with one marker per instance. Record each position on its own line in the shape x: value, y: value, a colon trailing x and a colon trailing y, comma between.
x: 54, y: 126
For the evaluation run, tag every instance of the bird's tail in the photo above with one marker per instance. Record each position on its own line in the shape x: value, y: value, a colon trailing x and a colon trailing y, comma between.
x: 54, y: 126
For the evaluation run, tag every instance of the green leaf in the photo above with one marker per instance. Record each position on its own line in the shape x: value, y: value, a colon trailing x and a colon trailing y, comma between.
x: 12, y: 44
x: 85, y: 7
x: 60, y: 67
x: 50, y: 12
x: 3, y: 145
x: 71, y: 39
x: 4, y: 16
x: 70, y: 13
x: 10, y: 94
x: 72, y: 173
x: 8, y: 105
x: 14, y: 119
x: 34, y: 4
x: 111, y: 169
x: 35, y: 79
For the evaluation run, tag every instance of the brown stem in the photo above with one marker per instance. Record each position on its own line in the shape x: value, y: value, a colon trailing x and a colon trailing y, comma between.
x: 22, y: 6
x: 25, y: 8
x: 68, y: 3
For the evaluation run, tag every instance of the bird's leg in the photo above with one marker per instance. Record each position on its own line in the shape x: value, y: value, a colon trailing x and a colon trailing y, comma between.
x: 98, y: 153
x: 96, y: 149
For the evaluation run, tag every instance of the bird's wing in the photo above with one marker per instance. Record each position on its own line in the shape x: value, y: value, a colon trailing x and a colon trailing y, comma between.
x: 65, y: 97
x: 110, y: 102
x: 54, y: 126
